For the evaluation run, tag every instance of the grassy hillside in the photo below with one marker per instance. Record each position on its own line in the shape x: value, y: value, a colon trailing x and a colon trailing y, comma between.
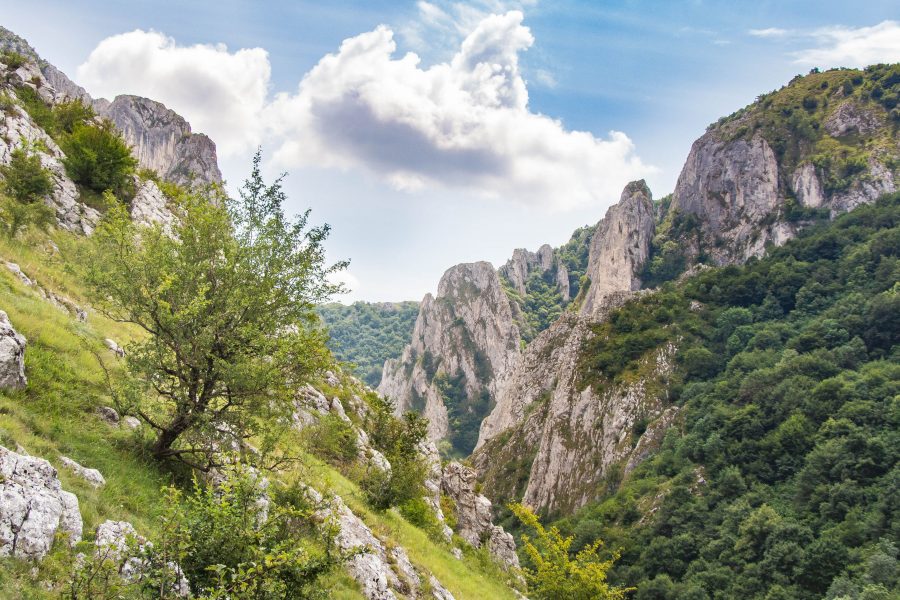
x: 781, y: 477
x: 366, y: 334
x: 56, y: 415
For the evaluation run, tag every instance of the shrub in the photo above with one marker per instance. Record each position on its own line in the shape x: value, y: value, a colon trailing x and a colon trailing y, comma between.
x: 99, y: 159
x: 24, y: 178
x: 13, y: 60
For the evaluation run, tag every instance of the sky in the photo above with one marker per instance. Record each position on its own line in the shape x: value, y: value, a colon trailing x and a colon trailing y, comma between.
x: 429, y: 133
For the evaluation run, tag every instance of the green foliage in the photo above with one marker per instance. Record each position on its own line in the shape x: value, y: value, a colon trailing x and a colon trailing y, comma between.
x: 464, y: 413
x: 24, y: 178
x: 99, y: 159
x: 398, y: 440
x: 16, y: 217
x: 367, y: 334
x: 552, y: 573
x: 780, y: 481
x: 334, y: 439
x: 574, y: 255
x: 13, y: 60
x: 226, y: 299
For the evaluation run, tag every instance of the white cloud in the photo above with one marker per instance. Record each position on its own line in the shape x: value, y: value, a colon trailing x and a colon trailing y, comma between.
x: 351, y: 284
x: 769, y: 32
x: 853, y: 47
x: 461, y: 124
x: 545, y: 78
x: 221, y: 93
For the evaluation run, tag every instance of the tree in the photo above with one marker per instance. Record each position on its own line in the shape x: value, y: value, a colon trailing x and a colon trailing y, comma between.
x: 226, y: 298
x: 554, y: 573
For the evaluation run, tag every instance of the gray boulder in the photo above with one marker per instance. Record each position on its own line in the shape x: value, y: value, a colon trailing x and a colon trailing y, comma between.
x: 12, y: 355
x: 33, y: 507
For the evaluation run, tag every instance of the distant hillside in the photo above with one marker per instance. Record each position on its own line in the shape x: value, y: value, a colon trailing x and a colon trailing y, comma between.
x: 367, y: 334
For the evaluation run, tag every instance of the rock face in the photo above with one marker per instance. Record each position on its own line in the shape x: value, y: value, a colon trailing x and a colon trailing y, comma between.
x: 740, y: 188
x: 474, y: 515
x: 523, y: 264
x: 33, y: 507
x: 463, y: 339
x: 150, y: 206
x: 620, y: 246
x: 162, y: 140
x: 92, y: 476
x: 12, y: 355
x: 562, y: 436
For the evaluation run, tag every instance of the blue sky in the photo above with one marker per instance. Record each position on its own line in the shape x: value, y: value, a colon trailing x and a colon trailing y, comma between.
x: 498, y: 137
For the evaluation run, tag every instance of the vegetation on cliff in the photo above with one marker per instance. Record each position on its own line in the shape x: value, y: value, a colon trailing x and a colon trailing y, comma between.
x: 779, y: 479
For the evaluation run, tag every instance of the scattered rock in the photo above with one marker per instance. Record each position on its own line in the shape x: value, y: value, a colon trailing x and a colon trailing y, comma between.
x: 33, y: 507
x: 131, y: 422
x: 92, y: 476
x: 114, y: 347
x: 108, y: 414
x: 17, y: 271
x: 112, y: 543
x: 12, y: 355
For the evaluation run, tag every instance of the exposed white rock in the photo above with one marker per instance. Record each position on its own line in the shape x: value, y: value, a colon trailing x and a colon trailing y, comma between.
x: 466, y: 331
x: 17, y: 271
x: 807, y: 187
x: 12, y: 355
x: 33, y: 507
x: 114, y: 347
x: 150, y: 206
x: 131, y: 422
x: 92, y: 476
x: 851, y: 118
x: 474, y: 514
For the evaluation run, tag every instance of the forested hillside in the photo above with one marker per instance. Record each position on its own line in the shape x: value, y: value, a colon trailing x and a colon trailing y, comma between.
x: 780, y: 476
x: 366, y: 334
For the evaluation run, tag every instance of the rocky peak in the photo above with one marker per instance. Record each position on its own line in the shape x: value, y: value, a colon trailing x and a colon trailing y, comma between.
x: 63, y: 88
x: 162, y: 140
x: 620, y: 246
x: 462, y: 340
x: 523, y: 263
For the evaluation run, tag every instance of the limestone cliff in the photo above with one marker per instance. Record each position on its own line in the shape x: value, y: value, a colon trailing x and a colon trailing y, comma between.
x: 552, y: 441
x: 524, y: 264
x: 818, y: 147
x: 162, y: 140
x: 463, y: 338
x: 620, y: 247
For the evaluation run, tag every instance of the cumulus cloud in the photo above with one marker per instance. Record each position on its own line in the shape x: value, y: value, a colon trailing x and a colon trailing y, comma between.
x: 853, y: 47
x: 221, y: 93
x: 461, y: 124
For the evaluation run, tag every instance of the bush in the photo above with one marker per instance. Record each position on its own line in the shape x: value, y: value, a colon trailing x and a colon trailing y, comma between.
x: 25, y: 179
x: 334, y: 440
x: 99, y: 159
x: 13, y: 60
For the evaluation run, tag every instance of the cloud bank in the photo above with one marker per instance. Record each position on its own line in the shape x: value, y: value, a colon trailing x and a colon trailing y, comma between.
x: 854, y: 47
x: 463, y: 124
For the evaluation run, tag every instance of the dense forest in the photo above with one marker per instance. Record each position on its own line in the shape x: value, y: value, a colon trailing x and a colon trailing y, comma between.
x: 781, y: 478
x: 366, y: 334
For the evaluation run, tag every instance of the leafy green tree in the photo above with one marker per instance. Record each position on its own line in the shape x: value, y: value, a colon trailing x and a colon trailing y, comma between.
x: 555, y: 574
x: 226, y: 298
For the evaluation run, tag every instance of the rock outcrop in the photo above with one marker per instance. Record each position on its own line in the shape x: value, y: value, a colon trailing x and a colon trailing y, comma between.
x: 561, y: 435
x: 12, y: 355
x: 162, y: 140
x: 92, y: 476
x: 463, y: 339
x: 150, y: 206
x: 33, y: 507
x: 474, y: 514
x: 620, y: 247
x: 523, y: 264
